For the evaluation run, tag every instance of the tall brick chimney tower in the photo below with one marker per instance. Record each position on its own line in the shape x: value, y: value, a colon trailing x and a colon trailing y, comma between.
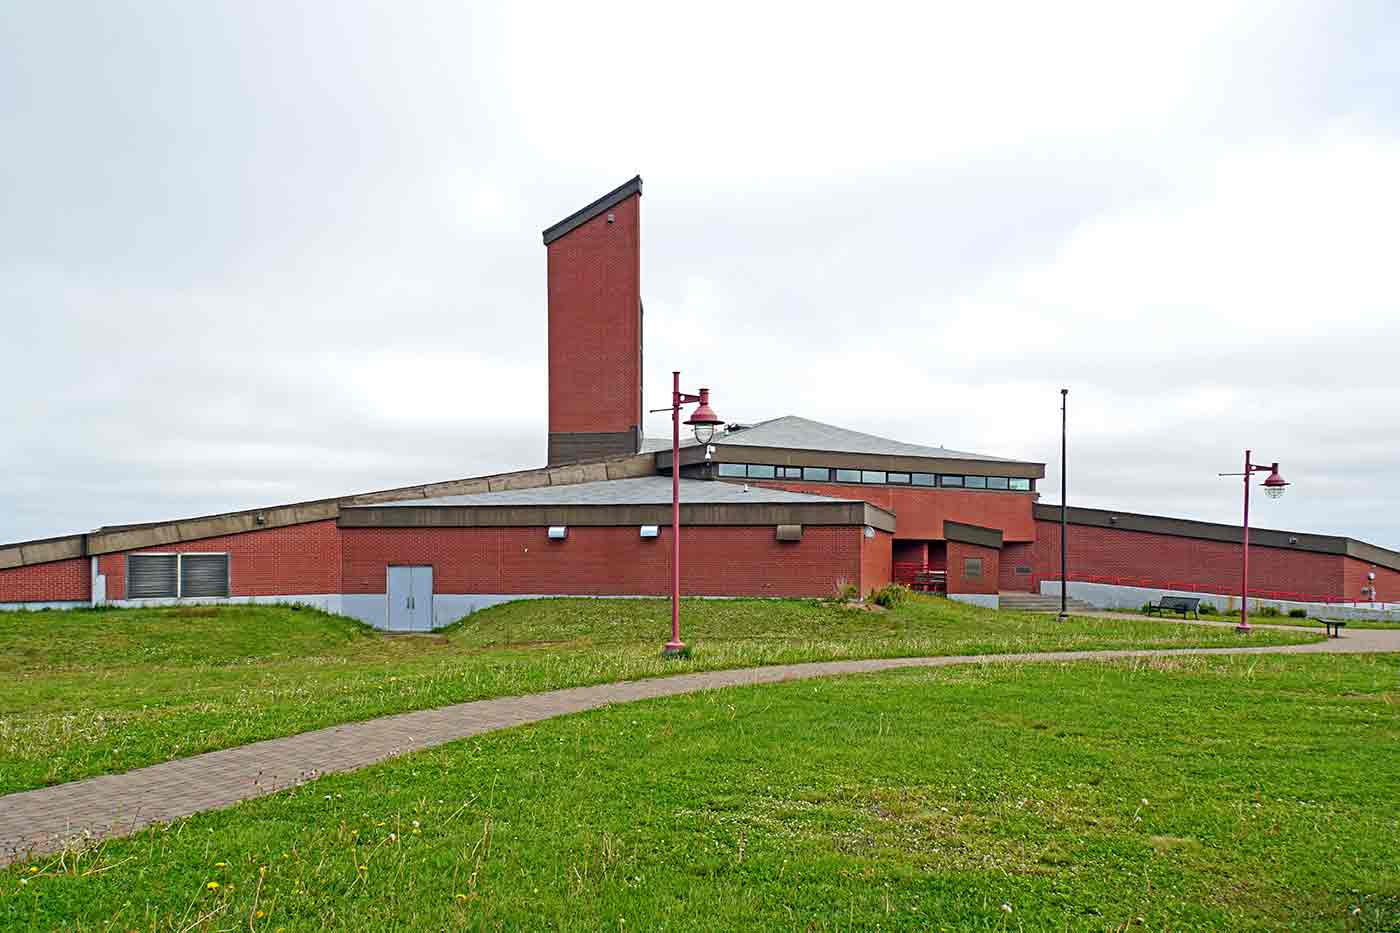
x: 595, y: 328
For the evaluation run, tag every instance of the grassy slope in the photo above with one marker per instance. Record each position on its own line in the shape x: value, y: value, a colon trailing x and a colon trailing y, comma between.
x: 1185, y: 793
x: 1256, y: 618
x: 84, y: 693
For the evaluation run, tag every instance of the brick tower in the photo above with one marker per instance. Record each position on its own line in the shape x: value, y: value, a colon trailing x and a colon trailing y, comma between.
x: 595, y: 328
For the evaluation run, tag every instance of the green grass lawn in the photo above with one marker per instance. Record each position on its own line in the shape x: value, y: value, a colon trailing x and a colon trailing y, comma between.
x: 1204, y: 793
x: 92, y: 692
x: 1256, y: 618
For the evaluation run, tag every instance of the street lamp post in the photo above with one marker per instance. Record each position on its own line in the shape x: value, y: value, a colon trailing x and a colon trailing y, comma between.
x: 1064, y: 499
x: 703, y: 421
x: 1273, y: 488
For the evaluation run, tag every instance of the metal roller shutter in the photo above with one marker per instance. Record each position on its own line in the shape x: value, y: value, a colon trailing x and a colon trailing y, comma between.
x: 204, y: 575
x: 149, y: 576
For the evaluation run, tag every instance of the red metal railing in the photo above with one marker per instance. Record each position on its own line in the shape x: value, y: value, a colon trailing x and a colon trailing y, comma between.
x: 920, y: 577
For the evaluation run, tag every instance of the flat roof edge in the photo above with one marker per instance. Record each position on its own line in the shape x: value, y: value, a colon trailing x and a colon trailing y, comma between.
x: 807, y: 456
x: 832, y: 512
x: 116, y: 538
x: 1216, y: 531
x: 968, y: 533
x: 584, y: 214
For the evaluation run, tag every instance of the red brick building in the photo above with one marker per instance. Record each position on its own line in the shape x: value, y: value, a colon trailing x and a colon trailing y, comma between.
x: 787, y: 507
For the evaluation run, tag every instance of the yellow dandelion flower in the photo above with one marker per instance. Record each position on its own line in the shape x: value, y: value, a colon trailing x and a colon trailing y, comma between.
x: 461, y: 898
x: 259, y: 915
x: 221, y: 864
x: 364, y: 868
x: 33, y: 869
x: 213, y: 885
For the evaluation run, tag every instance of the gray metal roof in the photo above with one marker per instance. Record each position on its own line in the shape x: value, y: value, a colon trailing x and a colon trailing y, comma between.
x: 651, y: 445
x: 646, y: 490
x: 796, y: 433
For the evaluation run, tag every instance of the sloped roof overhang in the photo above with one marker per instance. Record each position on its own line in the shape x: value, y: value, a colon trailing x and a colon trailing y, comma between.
x: 692, y: 514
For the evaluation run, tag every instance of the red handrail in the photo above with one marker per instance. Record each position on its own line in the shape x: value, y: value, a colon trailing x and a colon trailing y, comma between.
x: 919, y: 576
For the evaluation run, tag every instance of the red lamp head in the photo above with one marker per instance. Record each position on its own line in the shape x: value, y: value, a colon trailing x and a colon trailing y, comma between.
x: 1274, y: 484
x: 704, y: 420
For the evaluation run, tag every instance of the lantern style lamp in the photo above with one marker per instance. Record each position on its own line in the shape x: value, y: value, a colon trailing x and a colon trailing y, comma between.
x: 1274, y: 484
x: 704, y: 421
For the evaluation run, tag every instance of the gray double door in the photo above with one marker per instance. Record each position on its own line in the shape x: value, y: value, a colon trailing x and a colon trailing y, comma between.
x: 410, y: 599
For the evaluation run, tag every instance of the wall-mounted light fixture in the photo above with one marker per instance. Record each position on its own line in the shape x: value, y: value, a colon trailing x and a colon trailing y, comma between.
x: 558, y: 532
x: 789, y: 532
x: 651, y: 531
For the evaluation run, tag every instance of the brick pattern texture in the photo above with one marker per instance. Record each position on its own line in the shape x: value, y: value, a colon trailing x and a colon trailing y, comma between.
x: 1014, y: 557
x: 715, y: 561
x: 1354, y: 579
x: 290, y: 561
x: 910, y: 552
x: 1172, y: 562
x: 920, y: 512
x: 595, y: 325
x: 58, y: 581
x: 958, y: 579
x: 876, y: 554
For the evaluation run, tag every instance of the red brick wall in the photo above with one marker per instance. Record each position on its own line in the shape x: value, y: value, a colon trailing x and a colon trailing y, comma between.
x: 1013, y: 556
x: 715, y: 561
x: 920, y: 513
x: 875, y: 561
x: 595, y: 297
x: 1172, y: 562
x: 295, y: 560
x: 911, y: 552
x: 58, y: 581
x: 1354, y: 579
x: 958, y: 581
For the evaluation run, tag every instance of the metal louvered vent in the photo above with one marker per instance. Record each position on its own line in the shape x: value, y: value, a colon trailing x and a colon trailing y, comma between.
x: 149, y: 576
x: 203, y: 575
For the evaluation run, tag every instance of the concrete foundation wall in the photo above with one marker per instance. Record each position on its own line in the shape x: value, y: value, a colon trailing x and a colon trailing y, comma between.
x: 37, y: 606
x: 985, y: 600
x: 1112, y: 596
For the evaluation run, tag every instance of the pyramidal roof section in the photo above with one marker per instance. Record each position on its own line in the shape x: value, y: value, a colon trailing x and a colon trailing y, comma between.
x: 796, y: 433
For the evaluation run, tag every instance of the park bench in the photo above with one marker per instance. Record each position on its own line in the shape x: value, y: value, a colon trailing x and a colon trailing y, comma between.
x: 1334, y: 627
x: 1186, y: 605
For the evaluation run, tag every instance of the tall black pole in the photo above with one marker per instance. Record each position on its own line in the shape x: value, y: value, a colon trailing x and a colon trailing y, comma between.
x: 1064, y: 493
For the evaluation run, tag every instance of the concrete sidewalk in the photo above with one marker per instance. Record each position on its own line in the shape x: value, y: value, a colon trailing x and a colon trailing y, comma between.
x: 46, y: 820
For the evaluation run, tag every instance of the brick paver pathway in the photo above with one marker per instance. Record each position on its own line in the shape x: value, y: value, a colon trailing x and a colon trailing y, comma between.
x: 45, y: 820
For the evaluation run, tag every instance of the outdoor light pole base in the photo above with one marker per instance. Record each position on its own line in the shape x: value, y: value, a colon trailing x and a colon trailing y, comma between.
x: 1244, y: 628
x: 1061, y: 617
x: 673, y: 649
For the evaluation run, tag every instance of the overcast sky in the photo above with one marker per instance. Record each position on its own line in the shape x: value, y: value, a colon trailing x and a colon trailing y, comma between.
x: 253, y: 253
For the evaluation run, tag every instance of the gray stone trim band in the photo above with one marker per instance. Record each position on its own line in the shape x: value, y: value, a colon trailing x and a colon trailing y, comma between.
x: 964, y: 533
x: 573, y: 447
